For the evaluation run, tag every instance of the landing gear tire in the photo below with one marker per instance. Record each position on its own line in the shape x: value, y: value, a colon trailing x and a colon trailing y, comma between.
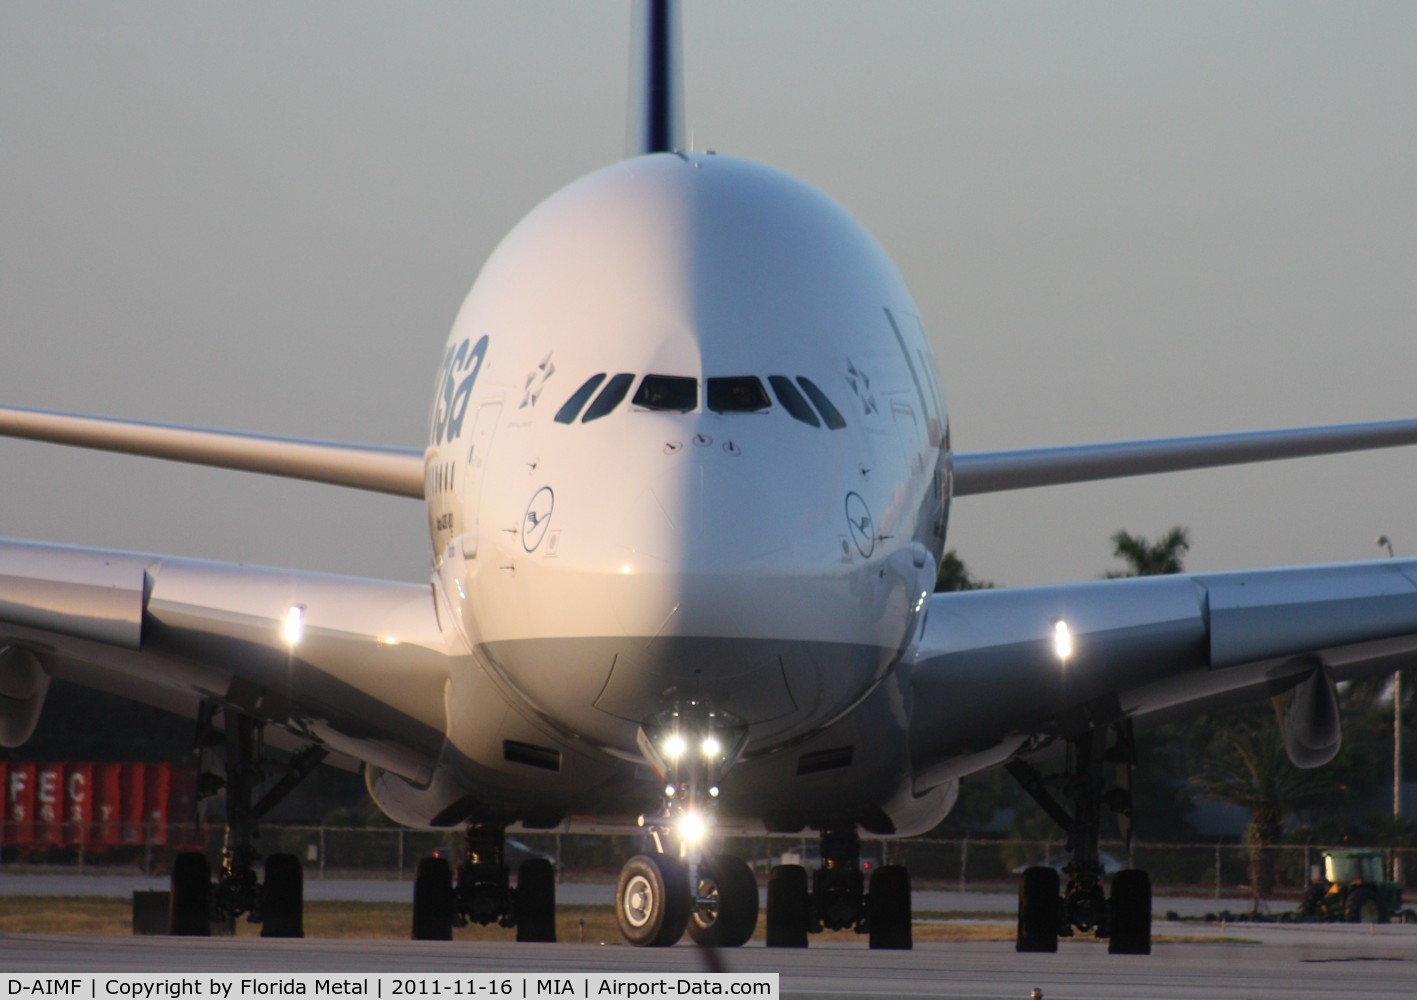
x: 433, y: 901
x: 888, y: 908
x: 283, y: 898
x: 189, y: 908
x: 789, y: 909
x: 1130, y: 913
x: 652, y: 900
x: 536, y: 901
x: 733, y: 916
x: 1038, y: 910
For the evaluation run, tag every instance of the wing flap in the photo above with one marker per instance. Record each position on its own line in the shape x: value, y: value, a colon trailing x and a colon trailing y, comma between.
x: 365, y: 674
x: 988, y: 669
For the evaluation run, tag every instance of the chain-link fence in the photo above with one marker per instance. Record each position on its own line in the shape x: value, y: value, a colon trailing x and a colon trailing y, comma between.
x: 967, y: 865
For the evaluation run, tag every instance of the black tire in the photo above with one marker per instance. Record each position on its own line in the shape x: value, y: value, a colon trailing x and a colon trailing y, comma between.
x: 1363, y: 906
x: 1130, y: 913
x: 652, y: 900
x: 283, y: 898
x: 189, y: 907
x: 731, y: 923
x: 1038, y: 904
x: 536, y: 901
x: 433, y: 901
x: 888, y: 908
x: 789, y: 907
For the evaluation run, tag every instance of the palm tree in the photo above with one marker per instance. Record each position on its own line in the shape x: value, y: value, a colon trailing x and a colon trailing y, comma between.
x: 1247, y: 766
x: 954, y: 575
x: 1145, y: 558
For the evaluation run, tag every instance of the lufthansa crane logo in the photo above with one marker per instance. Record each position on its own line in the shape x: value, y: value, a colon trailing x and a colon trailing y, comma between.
x: 538, y: 517
x: 862, y: 527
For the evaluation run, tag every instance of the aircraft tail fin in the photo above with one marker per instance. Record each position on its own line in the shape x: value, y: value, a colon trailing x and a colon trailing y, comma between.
x: 656, y: 108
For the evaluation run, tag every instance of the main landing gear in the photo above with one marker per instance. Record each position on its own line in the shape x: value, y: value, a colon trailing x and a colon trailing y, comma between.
x: 839, y: 898
x: 483, y: 893
x: 275, y: 902
x: 1044, y: 915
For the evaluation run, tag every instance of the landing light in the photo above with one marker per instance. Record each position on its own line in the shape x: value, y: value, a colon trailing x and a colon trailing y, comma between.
x: 692, y: 828
x: 294, y: 626
x: 711, y: 747
x: 1062, y: 639
x: 674, y: 747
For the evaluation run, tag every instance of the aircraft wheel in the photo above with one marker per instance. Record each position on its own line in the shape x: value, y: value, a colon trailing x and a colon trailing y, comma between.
x: 283, y: 898
x: 733, y: 916
x: 652, y: 900
x: 189, y: 908
x: 1038, y: 910
x: 433, y: 901
x: 789, y: 907
x: 1130, y: 913
x: 536, y: 901
x: 888, y: 908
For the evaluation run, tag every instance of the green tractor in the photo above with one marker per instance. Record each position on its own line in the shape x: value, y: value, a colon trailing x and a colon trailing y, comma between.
x: 1353, y: 889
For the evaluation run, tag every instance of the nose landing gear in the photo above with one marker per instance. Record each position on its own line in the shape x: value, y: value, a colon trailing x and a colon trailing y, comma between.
x: 676, y: 885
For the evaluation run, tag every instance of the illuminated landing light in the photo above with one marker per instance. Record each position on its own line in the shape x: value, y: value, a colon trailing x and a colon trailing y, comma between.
x: 674, y: 747
x: 711, y: 747
x: 669, y: 791
x: 713, y: 792
x: 692, y: 828
x: 388, y: 640
x: 1062, y: 639
x: 625, y: 570
x: 294, y: 626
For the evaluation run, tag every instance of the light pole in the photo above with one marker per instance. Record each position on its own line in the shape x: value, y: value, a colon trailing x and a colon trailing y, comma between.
x: 1382, y: 542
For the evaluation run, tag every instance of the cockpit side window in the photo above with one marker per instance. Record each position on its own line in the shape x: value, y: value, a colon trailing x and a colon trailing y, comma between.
x: 667, y: 392
x: 835, y: 421
x: 739, y: 394
x: 567, y: 414
x: 609, y: 397
x: 792, y: 401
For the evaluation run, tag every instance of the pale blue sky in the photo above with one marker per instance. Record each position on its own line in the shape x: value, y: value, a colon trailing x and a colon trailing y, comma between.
x: 1119, y: 220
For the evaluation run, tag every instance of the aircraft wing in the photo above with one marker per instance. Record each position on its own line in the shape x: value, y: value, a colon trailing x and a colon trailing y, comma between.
x: 997, y: 471
x: 988, y: 679
x: 359, y: 666
x: 383, y: 470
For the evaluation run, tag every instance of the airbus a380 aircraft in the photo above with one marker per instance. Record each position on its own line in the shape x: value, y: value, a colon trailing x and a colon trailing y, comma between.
x: 687, y: 476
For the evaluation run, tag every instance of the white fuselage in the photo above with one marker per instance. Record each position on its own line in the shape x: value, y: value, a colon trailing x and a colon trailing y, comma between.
x: 727, y: 548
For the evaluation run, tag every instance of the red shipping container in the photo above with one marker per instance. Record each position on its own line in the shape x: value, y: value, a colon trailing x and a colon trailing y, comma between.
x: 156, y: 783
x: 19, y: 804
x: 130, y: 804
x: 106, y: 794
x: 78, y: 805
x: 49, y: 805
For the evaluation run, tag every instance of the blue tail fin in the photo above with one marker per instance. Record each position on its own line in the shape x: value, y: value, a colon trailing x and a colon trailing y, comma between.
x: 656, y: 91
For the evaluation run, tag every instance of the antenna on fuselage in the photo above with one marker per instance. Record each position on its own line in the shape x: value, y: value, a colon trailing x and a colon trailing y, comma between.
x: 656, y: 110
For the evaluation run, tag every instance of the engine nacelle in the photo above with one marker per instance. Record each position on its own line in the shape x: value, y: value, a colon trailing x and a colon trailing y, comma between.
x: 1312, y: 727
x: 23, y: 685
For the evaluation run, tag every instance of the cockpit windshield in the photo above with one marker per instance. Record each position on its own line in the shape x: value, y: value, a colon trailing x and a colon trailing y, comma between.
x: 739, y: 394
x: 667, y: 392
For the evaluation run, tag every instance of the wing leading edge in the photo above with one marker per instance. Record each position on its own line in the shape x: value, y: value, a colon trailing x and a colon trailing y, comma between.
x: 398, y: 471
x: 988, y: 680
x: 998, y: 471
x: 360, y: 668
